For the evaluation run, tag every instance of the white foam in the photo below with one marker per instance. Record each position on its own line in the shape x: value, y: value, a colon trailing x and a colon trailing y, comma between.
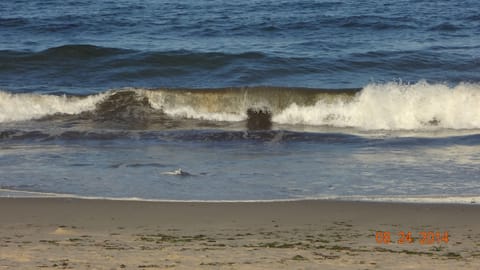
x: 415, y: 199
x: 390, y: 106
x: 159, y: 101
x: 18, y: 107
x: 178, y: 172
x: 395, y: 106
x: 472, y: 200
x: 191, y: 113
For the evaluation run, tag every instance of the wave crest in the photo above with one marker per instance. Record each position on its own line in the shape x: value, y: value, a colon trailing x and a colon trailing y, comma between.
x: 390, y: 106
x: 19, y: 107
x: 395, y: 106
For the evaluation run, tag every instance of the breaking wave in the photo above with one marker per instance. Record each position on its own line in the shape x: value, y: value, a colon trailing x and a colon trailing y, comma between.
x: 18, y: 107
x: 390, y: 106
x: 395, y: 106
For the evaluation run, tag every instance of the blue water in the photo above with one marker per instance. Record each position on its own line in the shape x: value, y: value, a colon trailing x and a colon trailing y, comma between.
x: 253, y: 100
x: 320, y: 44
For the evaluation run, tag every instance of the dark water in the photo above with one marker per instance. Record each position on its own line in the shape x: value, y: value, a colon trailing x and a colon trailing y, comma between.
x: 252, y: 99
x: 79, y: 46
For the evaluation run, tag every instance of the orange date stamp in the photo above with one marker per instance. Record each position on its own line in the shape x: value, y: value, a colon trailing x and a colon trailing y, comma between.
x: 424, y: 237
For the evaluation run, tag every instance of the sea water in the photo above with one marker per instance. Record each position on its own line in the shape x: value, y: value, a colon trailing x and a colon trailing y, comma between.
x: 245, y: 100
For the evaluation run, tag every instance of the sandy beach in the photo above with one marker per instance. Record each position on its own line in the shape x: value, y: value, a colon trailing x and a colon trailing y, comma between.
x: 60, y: 233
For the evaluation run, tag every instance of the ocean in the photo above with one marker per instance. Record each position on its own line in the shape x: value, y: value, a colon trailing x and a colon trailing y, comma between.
x: 240, y: 101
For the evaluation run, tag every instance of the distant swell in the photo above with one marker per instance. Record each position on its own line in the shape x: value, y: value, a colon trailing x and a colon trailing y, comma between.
x: 390, y: 106
x: 113, y: 57
x: 112, y: 67
x: 108, y: 67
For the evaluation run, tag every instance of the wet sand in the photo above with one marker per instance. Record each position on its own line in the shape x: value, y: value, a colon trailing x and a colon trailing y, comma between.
x: 60, y: 233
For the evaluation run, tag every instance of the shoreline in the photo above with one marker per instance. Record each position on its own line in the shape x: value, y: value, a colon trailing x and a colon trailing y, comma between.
x: 413, y: 199
x: 61, y: 233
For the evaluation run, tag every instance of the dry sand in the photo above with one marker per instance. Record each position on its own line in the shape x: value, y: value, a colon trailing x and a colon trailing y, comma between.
x: 59, y: 233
